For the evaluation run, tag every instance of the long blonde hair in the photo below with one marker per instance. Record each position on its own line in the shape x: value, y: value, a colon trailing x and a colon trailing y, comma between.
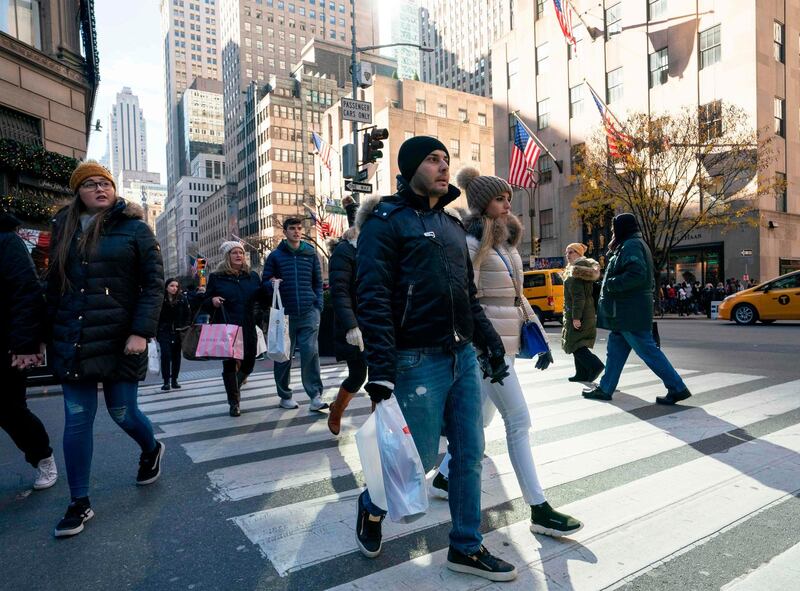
x: 87, y: 243
x: 226, y: 267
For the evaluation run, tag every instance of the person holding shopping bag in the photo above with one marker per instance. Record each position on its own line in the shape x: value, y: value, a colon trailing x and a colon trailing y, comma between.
x: 580, y: 319
x: 493, y: 234
x: 104, y: 295
x: 175, y: 315
x: 235, y: 294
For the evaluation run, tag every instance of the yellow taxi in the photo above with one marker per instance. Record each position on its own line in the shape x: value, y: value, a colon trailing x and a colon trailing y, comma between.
x: 544, y: 290
x: 778, y: 299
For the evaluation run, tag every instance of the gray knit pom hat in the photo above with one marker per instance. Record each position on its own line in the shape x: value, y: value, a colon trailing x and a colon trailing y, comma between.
x: 481, y: 189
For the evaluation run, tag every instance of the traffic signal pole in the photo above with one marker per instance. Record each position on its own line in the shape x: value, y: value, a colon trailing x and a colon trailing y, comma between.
x: 354, y: 78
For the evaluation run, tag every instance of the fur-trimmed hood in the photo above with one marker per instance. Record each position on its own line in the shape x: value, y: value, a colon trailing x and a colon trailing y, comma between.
x: 365, y: 207
x: 584, y: 269
x: 510, y: 232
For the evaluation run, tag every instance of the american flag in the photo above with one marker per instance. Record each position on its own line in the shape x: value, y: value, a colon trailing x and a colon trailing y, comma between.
x: 323, y: 149
x: 524, y: 155
x: 620, y: 143
x: 328, y: 225
x: 564, y: 16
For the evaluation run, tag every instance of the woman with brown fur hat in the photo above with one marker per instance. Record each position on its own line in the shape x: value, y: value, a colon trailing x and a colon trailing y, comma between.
x: 493, y: 234
x: 580, y: 318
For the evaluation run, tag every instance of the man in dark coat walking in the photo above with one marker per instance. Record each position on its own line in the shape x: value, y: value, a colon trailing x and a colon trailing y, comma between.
x: 626, y: 309
x: 21, y: 334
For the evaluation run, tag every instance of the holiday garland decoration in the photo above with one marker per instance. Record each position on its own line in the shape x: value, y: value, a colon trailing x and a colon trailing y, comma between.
x: 30, y: 206
x: 36, y: 161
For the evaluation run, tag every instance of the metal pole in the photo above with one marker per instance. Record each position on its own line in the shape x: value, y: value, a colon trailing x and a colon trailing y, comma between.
x: 353, y: 64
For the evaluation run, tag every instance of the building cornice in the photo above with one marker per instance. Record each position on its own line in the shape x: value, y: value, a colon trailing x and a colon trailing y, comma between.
x: 36, y: 58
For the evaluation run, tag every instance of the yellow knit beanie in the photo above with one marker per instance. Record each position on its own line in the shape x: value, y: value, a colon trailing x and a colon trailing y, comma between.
x: 577, y: 247
x: 88, y: 169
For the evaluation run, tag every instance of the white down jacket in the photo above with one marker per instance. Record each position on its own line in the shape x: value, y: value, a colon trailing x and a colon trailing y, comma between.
x: 496, y: 290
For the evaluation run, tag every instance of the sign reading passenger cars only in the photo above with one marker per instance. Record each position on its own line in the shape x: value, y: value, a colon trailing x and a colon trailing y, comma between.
x: 359, y: 111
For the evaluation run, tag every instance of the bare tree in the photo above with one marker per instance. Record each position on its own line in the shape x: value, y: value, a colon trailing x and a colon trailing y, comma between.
x: 686, y: 171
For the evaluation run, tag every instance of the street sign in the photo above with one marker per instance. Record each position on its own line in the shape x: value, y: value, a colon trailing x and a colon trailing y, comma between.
x: 358, y: 187
x: 747, y: 252
x: 359, y: 111
x: 361, y: 175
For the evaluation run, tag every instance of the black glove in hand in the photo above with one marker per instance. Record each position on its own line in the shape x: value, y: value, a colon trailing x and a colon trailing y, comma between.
x: 494, y: 367
x: 378, y: 392
x: 544, y: 360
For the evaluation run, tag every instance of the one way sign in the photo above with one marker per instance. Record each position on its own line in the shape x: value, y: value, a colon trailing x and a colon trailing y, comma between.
x: 358, y: 187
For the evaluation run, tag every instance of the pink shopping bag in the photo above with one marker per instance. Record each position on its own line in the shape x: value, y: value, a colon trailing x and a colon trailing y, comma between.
x: 220, y: 341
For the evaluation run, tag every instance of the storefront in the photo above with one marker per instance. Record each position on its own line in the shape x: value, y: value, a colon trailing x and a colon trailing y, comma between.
x: 703, y: 263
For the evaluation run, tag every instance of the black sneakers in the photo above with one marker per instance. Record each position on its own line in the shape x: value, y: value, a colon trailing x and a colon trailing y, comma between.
x: 546, y: 520
x: 596, y: 394
x: 78, y: 513
x: 368, y: 532
x: 481, y: 564
x: 673, y: 397
x: 439, y: 486
x: 150, y: 465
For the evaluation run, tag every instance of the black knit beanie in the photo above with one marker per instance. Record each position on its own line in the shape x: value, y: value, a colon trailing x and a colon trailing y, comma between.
x: 413, y: 151
x: 625, y: 225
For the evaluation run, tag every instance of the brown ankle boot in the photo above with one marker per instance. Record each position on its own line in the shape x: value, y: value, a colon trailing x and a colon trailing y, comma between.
x: 343, y: 398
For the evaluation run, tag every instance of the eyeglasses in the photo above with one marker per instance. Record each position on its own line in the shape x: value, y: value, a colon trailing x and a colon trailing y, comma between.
x: 91, y: 185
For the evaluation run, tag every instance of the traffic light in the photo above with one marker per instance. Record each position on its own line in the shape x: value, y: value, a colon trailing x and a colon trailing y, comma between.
x: 373, y: 144
x: 349, y: 161
x: 537, y: 246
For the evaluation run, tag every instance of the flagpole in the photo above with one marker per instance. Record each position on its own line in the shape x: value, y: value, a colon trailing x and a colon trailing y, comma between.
x: 608, y: 110
x: 538, y: 141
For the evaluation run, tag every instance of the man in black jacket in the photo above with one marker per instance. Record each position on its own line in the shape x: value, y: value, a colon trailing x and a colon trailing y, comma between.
x: 22, y: 302
x: 419, y: 315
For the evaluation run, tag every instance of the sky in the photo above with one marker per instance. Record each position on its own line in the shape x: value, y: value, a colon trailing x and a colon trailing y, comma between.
x: 129, y: 44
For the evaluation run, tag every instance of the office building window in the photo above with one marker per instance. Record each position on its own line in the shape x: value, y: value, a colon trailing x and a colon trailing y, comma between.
x: 710, y: 46
x: 462, y: 115
x: 543, y: 59
x: 455, y: 148
x: 543, y: 113
x: 476, y: 152
x: 540, y: 8
x: 420, y: 105
x: 710, y: 119
x: 546, y: 223
x: 780, y: 116
x: 442, y: 112
x: 579, y: 32
x: 482, y: 119
x: 614, y: 86
x: 20, y: 19
x: 656, y: 8
x: 659, y: 67
x: 513, y: 72
x: 545, y: 169
x: 613, y: 20
x: 782, y: 202
x: 576, y: 100
x: 777, y: 41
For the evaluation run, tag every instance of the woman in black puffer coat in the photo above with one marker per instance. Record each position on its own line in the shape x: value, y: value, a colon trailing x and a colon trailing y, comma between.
x: 175, y: 315
x: 104, y: 294
x: 238, y: 291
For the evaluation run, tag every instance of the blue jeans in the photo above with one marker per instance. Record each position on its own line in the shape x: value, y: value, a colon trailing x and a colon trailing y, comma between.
x: 443, y: 389
x: 304, y: 333
x: 80, y: 408
x: 642, y: 343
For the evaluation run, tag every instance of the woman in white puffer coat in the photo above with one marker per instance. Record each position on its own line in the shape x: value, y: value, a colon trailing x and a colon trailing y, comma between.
x: 492, y: 237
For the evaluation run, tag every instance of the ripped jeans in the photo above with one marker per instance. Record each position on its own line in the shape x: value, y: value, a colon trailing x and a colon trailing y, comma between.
x: 80, y: 408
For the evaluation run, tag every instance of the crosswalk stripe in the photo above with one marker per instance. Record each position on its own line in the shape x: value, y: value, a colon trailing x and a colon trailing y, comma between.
x: 283, y: 533
x: 782, y: 572
x: 634, y: 526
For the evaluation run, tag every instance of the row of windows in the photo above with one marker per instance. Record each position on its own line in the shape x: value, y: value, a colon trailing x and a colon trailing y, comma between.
x: 421, y: 107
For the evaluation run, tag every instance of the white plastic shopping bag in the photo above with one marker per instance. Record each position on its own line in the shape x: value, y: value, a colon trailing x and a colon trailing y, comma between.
x: 153, y: 358
x: 392, y: 467
x: 278, y: 340
x: 261, y: 342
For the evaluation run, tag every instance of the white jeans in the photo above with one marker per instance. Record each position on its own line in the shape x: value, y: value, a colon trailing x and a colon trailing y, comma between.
x: 510, y: 401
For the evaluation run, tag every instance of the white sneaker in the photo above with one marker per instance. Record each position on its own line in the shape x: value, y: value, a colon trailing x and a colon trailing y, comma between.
x: 288, y: 404
x: 46, y: 474
x: 317, y: 403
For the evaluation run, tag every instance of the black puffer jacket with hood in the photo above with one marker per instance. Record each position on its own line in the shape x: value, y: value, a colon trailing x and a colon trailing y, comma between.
x: 415, y: 281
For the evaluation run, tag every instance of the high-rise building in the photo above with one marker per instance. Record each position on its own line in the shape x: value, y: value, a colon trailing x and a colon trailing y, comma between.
x: 202, y: 128
x: 191, y: 50
x: 217, y: 215
x: 261, y: 41
x: 656, y: 58
x: 127, y: 134
x: 401, y: 25
x: 461, y: 34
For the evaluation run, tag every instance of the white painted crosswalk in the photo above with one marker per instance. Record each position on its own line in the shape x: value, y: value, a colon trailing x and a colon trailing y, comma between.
x: 650, y: 483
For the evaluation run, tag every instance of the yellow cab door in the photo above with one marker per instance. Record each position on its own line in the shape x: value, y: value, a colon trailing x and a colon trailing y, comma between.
x: 557, y: 292
x: 534, y: 288
x: 781, y: 301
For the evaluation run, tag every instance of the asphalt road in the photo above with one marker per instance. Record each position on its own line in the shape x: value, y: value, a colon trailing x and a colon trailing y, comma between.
x: 175, y: 535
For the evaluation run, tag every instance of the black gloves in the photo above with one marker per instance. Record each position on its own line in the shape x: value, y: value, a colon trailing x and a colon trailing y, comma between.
x: 544, y: 360
x: 494, y: 366
x: 378, y: 392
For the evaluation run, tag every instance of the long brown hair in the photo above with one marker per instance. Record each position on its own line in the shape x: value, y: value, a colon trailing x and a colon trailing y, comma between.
x: 226, y: 268
x: 86, y: 245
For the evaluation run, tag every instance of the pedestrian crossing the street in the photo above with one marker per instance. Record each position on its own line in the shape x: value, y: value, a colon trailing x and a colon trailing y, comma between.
x: 653, y: 485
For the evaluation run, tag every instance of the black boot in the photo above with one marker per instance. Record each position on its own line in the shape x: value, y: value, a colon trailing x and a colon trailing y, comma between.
x: 231, y: 383
x: 165, y: 387
x: 175, y: 384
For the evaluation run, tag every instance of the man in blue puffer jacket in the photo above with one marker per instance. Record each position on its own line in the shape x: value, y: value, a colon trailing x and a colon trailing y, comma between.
x: 294, y: 268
